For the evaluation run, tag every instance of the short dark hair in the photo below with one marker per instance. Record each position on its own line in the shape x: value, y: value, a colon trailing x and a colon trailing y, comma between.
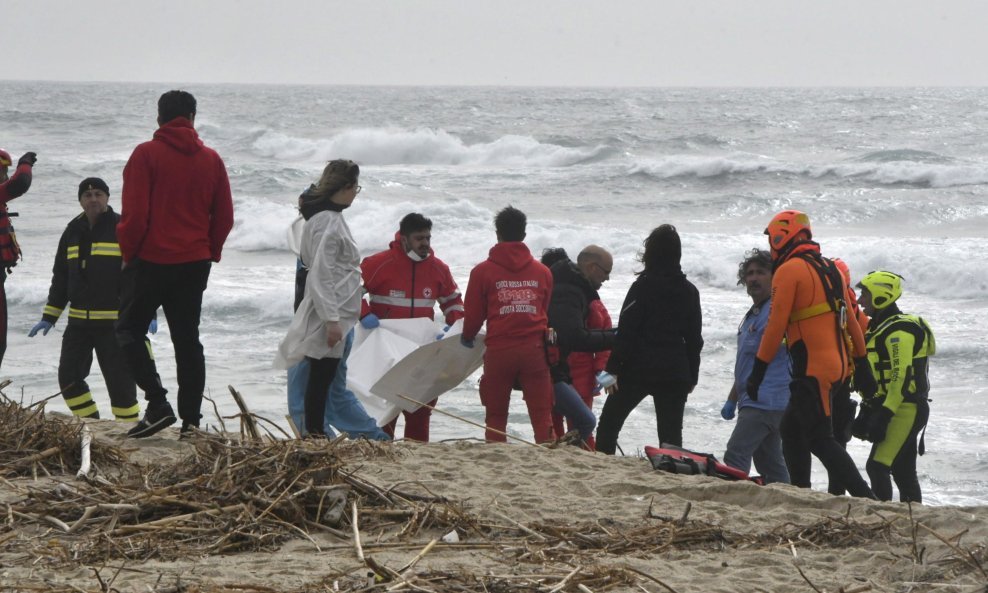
x: 551, y: 255
x: 414, y: 223
x: 510, y: 224
x: 756, y: 256
x: 175, y: 104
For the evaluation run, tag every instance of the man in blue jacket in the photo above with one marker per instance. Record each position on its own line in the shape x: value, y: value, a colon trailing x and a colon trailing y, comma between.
x: 756, y: 434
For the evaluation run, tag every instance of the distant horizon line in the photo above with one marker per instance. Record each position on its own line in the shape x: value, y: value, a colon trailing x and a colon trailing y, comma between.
x: 487, y: 85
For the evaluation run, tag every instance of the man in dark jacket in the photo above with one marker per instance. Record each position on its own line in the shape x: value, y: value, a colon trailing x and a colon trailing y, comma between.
x: 10, y: 188
x: 574, y: 288
x: 176, y: 214
x: 86, y: 277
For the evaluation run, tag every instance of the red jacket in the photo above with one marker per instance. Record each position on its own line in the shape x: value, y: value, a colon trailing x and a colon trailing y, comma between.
x: 176, y: 205
x: 584, y: 366
x: 510, y: 291
x: 14, y: 187
x: 400, y: 288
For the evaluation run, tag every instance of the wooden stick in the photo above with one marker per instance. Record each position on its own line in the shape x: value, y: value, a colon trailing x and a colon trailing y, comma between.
x: 99, y: 507
x: 649, y: 577
x: 562, y: 583
x: 291, y: 424
x: 962, y: 553
x: 432, y: 543
x: 40, y: 401
x: 57, y: 522
x: 169, y: 520
x: 462, y: 419
x: 87, y: 440
x: 356, y: 534
x: 686, y: 513
x: 247, y: 419
x: 805, y: 578
x: 38, y: 456
x: 520, y: 526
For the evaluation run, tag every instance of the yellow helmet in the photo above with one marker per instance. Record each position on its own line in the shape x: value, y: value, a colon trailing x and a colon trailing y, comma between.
x: 885, y: 287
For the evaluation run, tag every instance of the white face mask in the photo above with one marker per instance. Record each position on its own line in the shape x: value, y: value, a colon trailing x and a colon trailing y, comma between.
x: 414, y: 256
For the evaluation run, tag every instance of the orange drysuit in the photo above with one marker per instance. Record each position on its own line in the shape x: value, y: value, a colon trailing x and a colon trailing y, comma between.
x: 801, y: 312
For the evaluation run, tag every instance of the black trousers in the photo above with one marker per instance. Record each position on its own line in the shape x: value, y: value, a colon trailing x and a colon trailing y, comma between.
x: 76, y: 360
x: 322, y: 371
x: 669, y: 398
x: 177, y: 289
x: 3, y: 314
x: 807, y: 430
x: 842, y: 409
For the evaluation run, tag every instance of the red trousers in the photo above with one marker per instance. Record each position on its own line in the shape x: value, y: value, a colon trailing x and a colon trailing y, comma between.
x: 502, y: 367
x: 416, y: 424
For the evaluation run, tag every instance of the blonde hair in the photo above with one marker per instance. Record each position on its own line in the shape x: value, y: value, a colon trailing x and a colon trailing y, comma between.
x: 338, y: 174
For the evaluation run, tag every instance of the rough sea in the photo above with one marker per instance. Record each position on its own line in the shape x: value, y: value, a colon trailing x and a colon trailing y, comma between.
x: 891, y: 178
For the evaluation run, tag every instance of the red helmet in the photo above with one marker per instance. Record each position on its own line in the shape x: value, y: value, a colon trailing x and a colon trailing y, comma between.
x: 5, y: 160
x: 785, y: 226
x: 844, y: 270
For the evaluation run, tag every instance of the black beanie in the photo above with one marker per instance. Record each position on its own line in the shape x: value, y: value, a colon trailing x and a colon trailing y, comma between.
x: 93, y: 183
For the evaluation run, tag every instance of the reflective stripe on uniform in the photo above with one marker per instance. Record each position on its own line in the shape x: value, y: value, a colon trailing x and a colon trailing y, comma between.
x: 82, y: 405
x: 92, y: 315
x: 106, y: 249
x: 72, y: 252
x: 446, y: 299
x: 402, y: 302
x: 129, y: 414
x: 53, y: 311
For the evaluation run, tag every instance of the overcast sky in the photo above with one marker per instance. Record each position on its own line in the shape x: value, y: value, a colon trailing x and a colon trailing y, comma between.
x: 502, y: 42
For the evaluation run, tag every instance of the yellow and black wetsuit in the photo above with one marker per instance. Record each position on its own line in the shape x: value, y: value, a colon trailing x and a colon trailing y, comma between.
x: 899, y: 347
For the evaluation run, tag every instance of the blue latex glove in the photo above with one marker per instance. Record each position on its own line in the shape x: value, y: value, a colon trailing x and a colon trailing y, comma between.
x: 43, y: 326
x: 442, y: 334
x: 605, y: 379
x: 370, y: 321
x: 153, y: 327
x: 730, y: 407
x: 467, y: 343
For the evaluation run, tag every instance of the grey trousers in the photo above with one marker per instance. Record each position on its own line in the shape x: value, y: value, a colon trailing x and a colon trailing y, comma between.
x: 756, y: 436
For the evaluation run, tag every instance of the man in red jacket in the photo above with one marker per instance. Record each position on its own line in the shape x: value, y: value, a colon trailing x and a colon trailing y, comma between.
x: 10, y: 188
x: 510, y: 292
x: 407, y: 280
x: 176, y: 213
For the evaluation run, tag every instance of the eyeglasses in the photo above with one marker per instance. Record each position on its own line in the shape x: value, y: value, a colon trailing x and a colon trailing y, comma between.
x: 603, y: 269
x: 357, y: 190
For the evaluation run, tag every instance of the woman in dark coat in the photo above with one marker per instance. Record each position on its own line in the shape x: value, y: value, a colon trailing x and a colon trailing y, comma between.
x: 658, y: 344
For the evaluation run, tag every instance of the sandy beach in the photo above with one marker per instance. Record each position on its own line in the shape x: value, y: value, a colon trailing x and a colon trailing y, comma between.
x: 216, y: 513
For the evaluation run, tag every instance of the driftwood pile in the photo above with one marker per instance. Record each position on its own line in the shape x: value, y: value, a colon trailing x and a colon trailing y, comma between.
x: 33, y: 444
x: 253, y: 493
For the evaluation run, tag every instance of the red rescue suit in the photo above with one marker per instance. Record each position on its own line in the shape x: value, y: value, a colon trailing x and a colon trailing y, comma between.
x: 510, y: 292
x: 399, y: 287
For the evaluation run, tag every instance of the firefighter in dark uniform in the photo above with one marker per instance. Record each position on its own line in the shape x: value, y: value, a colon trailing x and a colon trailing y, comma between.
x: 86, y: 278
